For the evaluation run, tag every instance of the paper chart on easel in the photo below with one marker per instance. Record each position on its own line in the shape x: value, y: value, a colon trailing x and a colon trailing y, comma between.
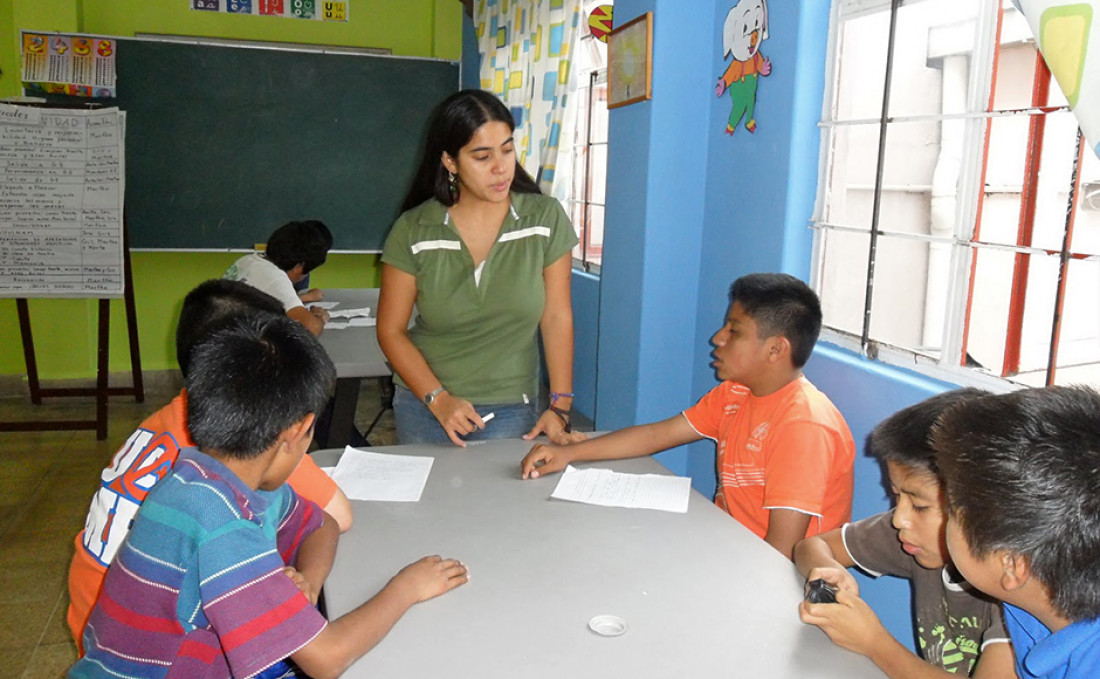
x: 61, y: 193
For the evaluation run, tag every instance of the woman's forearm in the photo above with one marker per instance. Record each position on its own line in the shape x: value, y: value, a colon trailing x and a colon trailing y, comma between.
x: 407, y: 361
x: 395, y: 305
x: 556, y: 326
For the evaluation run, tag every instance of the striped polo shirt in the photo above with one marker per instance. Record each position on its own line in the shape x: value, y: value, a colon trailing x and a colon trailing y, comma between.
x: 478, y: 335
x: 197, y: 589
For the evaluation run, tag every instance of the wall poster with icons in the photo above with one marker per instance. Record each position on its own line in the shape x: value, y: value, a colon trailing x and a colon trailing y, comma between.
x: 320, y: 10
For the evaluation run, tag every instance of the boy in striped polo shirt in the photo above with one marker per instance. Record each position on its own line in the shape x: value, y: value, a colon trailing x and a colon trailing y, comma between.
x: 220, y: 573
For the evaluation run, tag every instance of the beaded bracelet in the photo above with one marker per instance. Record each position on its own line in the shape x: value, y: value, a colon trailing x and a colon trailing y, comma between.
x: 555, y: 396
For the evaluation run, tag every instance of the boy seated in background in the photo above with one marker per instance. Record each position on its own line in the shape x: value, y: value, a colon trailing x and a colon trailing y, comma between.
x: 293, y: 251
x: 306, y: 293
x: 1022, y: 472
x: 784, y: 452
x: 151, y: 451
x: 960, y: 630
x: 218, y: 575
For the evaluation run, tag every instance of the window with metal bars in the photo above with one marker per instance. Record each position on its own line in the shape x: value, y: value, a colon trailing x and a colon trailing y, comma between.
x: 588, y: 153
x: 957, y: 226
x: 586, y: 205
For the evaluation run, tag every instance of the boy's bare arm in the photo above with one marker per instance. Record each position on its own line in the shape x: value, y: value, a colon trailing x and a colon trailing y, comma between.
x: 785, y: 528
x: 350, y: 636
x: 637, y: 441
x: 851, y: 624
x: 316, y: 554
x: 825, y: 557
x: 314, y: 318
x: 996, y: 660
x: 826, y: 549
x: 339, y: 508
x: 872, y: 640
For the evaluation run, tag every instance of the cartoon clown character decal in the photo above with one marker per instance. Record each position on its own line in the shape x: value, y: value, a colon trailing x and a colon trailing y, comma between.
x: 745, y: 28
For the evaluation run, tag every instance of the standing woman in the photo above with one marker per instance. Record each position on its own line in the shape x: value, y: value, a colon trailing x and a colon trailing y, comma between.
x: 485, y: 257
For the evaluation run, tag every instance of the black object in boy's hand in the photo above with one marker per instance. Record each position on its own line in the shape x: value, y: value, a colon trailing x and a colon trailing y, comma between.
x: 821, y: 592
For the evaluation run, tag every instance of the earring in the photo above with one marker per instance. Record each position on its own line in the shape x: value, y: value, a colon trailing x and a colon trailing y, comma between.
x: 451, y: 186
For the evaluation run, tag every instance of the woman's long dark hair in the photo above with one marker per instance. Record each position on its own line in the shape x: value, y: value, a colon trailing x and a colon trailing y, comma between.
x: 452, y: 126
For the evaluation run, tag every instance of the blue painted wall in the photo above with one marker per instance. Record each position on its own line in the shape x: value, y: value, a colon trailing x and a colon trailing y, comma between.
x: 586, y: 303
x: 689, y: 210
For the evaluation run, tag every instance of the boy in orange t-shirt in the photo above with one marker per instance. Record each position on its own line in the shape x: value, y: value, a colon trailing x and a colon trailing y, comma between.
x: 784, y: 452
x: 150, y: 452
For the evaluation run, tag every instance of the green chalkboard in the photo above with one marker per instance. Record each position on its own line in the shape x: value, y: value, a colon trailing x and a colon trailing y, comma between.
x: 225, y: 144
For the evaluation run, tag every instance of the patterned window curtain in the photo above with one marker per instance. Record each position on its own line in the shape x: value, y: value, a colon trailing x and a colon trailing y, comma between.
x: 1068, y: 35
x: 526, y: 60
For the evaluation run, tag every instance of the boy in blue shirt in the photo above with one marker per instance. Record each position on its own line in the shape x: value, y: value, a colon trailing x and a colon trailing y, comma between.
x: 1023, y: 486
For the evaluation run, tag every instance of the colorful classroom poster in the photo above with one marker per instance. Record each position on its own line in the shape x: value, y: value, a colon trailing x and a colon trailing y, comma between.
x: 61, y: 191
x: 59, y: 63
x: 320, y: 10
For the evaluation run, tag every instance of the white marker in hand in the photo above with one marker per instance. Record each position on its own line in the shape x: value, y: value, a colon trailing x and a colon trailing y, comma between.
x: 488, y: 417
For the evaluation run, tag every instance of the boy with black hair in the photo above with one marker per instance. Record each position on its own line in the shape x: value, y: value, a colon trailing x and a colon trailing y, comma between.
x: 1023, y: 487
x: 218, y: 575
x: 784, y: 452
x: 293, y: 251
x: 306, y: 293
x: 151, y: 450
x: 960, y: 630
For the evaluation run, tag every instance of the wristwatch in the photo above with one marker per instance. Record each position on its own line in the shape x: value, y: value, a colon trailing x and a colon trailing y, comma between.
x: 430, y: 396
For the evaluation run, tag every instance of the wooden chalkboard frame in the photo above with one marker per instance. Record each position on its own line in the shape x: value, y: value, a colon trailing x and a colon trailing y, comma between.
x: 225, y: 143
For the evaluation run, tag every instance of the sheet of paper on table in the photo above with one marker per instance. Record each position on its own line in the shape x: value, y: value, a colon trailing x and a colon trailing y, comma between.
x: 323, y: 305
x: 349, y: 313
x: 335, y: 325
x: 366, y: 475
x: 613, y: 489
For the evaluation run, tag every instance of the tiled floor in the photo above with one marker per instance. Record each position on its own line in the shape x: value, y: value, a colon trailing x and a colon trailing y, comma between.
x: 46, y: 481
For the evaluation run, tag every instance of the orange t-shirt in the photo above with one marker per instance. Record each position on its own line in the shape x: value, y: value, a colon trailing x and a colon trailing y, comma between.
x: 143, y: 460
x: 787, y: 450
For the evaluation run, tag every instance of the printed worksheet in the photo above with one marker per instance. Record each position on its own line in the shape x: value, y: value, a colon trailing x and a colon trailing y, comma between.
x: 349, y: 313
x: 379, y: 477
x: 613, y: 489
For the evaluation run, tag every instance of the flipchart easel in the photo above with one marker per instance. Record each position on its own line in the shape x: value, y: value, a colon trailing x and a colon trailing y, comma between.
x: 102, y: 390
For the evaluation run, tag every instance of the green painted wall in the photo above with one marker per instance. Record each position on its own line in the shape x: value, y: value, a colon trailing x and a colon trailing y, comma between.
x: 64, y: 330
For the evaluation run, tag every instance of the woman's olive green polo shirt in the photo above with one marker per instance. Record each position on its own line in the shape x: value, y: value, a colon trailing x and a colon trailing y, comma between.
x: 480, y: 340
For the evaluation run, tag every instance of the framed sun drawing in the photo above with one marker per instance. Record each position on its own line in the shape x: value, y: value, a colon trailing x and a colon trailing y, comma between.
x: 630, y: 62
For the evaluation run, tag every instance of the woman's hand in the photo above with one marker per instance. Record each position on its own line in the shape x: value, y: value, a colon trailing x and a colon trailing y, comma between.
x: 457, y: 417
x: 553, y: 426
